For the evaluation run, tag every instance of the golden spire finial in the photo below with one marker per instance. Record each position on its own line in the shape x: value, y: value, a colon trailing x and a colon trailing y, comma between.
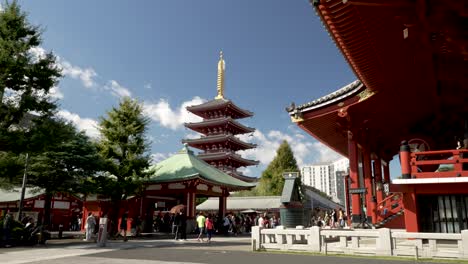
x: 220, y: 83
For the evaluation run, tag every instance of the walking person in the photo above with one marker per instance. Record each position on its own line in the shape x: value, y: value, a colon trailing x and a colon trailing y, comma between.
x: 123, y: 226
x: 7, y: 226
x: 209, y: 227
x: 90, y: 225
x: 181, y: 222
x: 201, y: 226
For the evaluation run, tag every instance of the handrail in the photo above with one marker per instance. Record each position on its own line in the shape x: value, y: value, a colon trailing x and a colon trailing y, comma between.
x: 390, y: 210
x: 427, y: 164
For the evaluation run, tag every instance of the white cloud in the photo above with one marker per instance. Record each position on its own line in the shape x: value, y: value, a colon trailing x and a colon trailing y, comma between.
x: 56, y: 93
x: 192, y: 135
x: 117, y: 89
x: 148, y: 85
x: 86, y: 75
x: 157, y: 157
x: 174, y: 119
x: 90, y: 126
x: 37, y: 53
x: 305, y: 151
x: 326, y: 154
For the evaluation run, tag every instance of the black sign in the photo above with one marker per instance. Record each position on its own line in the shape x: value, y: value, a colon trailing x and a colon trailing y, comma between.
x: 357, y: 190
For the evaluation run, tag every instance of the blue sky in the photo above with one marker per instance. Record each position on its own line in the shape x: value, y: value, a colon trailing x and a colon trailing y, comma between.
x: 165, y: 54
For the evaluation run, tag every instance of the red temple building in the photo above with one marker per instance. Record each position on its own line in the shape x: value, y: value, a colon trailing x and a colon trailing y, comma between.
x: 219, y: 129
x: 409, y: 104
x: 64, y: 208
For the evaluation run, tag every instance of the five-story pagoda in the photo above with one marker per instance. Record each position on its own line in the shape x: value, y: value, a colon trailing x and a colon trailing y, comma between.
x: 219, y: 129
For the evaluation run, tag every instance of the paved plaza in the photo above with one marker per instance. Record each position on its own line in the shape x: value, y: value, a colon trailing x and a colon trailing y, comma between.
x: 155, y: 251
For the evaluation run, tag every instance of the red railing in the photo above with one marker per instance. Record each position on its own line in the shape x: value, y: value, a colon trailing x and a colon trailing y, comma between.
x: 389, y: 206
x: 427, y: 164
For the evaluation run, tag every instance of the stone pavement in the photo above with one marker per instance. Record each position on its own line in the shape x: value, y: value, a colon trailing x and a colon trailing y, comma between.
x: 66, y: 248
x: 226, y: 250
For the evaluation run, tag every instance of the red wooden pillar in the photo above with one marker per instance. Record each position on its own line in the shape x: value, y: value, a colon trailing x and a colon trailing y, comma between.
x: 378, y: 180
x: 370, y: 201
x: 411, y: 211
x: 222, y: 204
x: 354, y: 175
x: 405, y: 159
x: 348, y: 212
x: 190, y: 204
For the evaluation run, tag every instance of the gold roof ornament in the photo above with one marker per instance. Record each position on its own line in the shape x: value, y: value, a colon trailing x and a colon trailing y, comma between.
x: 220, y: 83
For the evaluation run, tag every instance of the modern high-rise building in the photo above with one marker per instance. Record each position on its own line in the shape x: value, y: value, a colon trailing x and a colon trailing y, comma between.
x: 327, y: 177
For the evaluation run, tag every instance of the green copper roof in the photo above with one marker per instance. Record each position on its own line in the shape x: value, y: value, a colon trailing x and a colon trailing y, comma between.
x: 185, y: 166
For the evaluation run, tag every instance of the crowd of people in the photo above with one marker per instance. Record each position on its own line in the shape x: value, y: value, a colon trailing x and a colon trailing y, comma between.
x: 328, y: 218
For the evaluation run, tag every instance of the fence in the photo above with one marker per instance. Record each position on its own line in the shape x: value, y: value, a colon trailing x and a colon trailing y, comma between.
x: 379, y: 242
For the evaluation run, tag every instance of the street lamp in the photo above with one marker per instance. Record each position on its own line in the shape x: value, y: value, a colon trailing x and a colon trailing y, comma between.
x: 23, y: 188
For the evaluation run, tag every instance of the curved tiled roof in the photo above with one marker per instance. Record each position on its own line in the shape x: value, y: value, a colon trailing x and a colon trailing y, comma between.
x: 226, y: 155
x: 348, y: 90
x: 218, y: 104
x: 184, y: 166
x: 219, y: 138
x: 219, y: 121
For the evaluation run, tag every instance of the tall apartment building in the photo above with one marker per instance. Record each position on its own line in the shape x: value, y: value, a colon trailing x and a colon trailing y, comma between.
x: 327, y: 177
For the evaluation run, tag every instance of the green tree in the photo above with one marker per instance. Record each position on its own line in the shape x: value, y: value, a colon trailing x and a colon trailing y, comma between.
x: 60, y: 161
x: 25, y: 78
x: 272, y: 181
x: 123, y: 148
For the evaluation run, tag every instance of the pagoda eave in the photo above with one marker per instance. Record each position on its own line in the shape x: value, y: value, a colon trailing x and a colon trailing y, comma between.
x: 201, y: 142
x: 227, y: 122
x: 219, y: 104
x: 244, y: 177
x: 227, y: 156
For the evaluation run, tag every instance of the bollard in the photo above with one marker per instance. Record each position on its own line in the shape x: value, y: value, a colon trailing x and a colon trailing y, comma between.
x: 60, y: 233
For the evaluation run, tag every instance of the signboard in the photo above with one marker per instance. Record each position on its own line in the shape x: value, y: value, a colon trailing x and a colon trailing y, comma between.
x: 357, y: 190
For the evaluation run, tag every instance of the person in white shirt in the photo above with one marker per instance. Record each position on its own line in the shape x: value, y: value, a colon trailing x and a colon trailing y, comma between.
x: 261, y: 221
x: 90, y: 225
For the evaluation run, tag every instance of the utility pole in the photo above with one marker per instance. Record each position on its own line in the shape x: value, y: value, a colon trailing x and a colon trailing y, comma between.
x: 23, y: 187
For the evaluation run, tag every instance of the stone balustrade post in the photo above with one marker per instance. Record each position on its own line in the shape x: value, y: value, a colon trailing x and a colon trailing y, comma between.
x: 314, y: 240
x: 280, y: 238
x: 464, y: 235
x: 256, y: 241
x: 384, y: 242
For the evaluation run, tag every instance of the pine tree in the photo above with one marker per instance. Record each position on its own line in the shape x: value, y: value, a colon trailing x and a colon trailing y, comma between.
x: 272, y: 181
x: 64, y: 159
x: 124, y: 150
x: 25, y: 79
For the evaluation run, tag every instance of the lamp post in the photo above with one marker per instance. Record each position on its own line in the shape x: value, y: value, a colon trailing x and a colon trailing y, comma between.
x: 23, y: 188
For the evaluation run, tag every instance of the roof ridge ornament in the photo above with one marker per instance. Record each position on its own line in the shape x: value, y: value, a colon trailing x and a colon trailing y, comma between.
x: 220, y: 82
x: 186, y: 149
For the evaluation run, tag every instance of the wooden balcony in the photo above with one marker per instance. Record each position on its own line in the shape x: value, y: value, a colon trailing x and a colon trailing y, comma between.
x: 438, y: 164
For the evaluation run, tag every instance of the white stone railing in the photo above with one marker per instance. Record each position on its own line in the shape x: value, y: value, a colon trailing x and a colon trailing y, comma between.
x: 379, y: 242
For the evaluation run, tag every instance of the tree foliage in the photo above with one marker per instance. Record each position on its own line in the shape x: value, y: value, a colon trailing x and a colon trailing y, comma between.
x: 272, y: 181
x: 25, y: 78
x: 123, y: 148
x: 60, y: 159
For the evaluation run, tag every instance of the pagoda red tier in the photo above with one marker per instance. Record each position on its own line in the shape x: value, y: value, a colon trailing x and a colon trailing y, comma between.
x: 212, y: 126
x: 219, y: 108
x: 220, y: 142
x: 229, y: 158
